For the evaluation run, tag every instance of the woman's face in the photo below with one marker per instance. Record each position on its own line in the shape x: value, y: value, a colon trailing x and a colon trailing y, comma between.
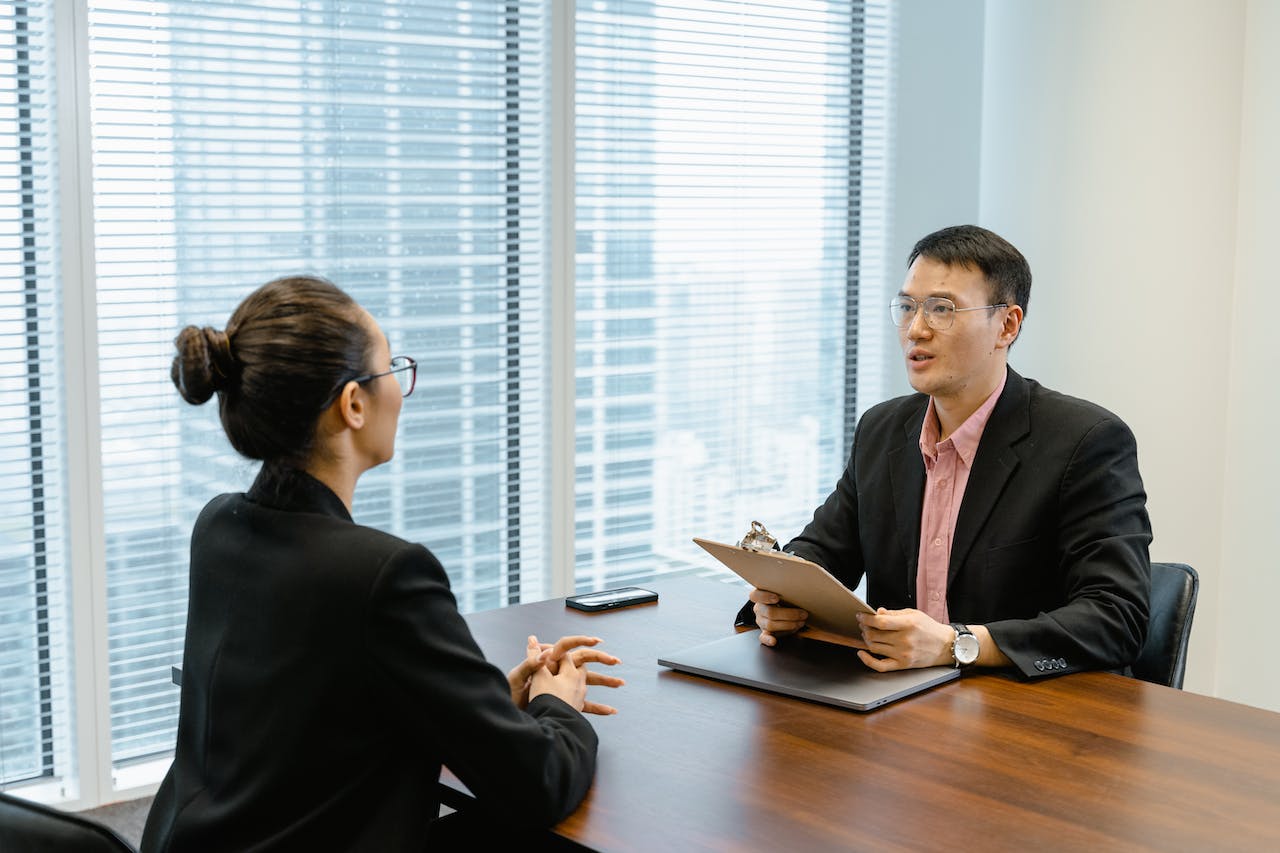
x: 384, y: 399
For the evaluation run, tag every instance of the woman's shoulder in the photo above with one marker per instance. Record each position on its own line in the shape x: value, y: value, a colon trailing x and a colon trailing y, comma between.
x: 324, y: 539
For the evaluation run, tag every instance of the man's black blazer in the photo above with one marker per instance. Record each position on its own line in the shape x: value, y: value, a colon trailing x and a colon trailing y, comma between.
x: 1050, y: 546
x: 327, y: 675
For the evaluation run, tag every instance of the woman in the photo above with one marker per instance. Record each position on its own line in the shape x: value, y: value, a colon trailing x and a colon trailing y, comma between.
x: 327, y: 673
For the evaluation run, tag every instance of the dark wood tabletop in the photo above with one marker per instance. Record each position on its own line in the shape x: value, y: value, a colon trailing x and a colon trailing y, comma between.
x: 989, y: 762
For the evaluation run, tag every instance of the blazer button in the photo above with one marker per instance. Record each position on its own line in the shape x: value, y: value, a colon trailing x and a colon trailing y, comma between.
x: 1062, y: 663
x: 1040, y: 665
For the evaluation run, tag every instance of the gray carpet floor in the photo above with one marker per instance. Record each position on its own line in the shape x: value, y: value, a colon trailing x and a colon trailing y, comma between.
x: 125, y: 818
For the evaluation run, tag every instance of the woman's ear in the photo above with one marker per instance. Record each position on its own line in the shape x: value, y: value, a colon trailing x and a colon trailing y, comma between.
x: 351, y: 405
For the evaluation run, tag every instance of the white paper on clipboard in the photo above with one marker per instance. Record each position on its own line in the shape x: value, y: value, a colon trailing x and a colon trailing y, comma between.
x: 832, y: 606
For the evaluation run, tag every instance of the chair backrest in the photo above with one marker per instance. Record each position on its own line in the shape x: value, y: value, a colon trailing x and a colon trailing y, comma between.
x: 27, y: 827
x: 1174, y: 587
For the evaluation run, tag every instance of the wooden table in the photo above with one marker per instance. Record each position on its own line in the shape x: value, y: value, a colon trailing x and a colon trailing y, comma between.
x: 1087, y: 761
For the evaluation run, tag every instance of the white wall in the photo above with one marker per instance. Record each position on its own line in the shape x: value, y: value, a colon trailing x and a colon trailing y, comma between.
x: 1249, y: 575
x: 1131, y: 150
x: 937, y: 131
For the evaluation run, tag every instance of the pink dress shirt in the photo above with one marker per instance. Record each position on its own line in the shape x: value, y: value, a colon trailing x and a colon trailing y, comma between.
x: 947, y: 465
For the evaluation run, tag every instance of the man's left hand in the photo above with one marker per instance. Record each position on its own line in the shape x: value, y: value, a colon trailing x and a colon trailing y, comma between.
x: 904, y: 639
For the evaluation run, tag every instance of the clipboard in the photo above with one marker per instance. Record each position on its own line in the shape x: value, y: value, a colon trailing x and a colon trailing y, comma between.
x: 832, y: 606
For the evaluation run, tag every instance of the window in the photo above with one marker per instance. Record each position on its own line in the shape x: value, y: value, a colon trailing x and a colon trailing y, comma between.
x: 34, y: 664
x: 403, y: 150
x: 719, y: 194
x: 394, y: 148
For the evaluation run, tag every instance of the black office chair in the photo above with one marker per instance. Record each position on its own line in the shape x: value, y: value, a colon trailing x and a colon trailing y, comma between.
x: 27, y: 827
x: 1163, y: 659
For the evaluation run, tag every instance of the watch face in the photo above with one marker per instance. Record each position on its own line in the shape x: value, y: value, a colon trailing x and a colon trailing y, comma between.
x: 966, y: 648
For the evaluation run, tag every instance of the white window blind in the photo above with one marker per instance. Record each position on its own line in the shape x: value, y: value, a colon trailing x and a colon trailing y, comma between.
x: 394, y: 147
x: 719, y: 178
x: 34, y: 671
x: 730, y: 180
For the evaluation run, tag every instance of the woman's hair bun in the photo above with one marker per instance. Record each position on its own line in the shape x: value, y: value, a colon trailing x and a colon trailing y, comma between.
x: 204, y: 364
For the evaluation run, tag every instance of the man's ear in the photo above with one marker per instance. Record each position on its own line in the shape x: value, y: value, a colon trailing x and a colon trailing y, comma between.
x: 1011, y: 327
x: 351, y: 405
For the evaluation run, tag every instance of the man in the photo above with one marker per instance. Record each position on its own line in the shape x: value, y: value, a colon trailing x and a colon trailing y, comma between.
x: 998, y: 523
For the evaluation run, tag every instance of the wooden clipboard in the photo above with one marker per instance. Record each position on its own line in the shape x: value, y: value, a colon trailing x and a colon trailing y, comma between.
x: 833, y: 607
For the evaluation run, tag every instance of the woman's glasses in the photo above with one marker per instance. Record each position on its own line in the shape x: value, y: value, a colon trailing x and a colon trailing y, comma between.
x: 403, y: 368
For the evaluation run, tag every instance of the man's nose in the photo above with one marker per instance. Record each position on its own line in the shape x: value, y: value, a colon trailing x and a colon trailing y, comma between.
x: 918, y: 327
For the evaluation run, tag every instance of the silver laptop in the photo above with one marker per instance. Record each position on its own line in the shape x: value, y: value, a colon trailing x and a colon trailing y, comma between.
x: 808, y: 669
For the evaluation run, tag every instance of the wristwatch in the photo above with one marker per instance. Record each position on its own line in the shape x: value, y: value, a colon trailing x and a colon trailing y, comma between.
x: 965, y: 648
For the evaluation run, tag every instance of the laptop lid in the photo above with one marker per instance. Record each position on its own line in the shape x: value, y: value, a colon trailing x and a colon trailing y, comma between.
x: 805, y: 668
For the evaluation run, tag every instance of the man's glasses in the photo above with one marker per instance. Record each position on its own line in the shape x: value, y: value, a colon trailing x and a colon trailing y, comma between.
x: 403, y: 368
x: 939, y: 311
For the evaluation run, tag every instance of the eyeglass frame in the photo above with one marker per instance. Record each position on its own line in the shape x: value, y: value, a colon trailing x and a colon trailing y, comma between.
x: 917, y: 304
x: 412, y: 364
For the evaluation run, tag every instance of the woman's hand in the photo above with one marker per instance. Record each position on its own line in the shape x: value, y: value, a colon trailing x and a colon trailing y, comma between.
x: 560, y: 670
x: 535, y: 658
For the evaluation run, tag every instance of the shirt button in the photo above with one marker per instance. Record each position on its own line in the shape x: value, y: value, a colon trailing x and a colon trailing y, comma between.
x: 933, y: 596
x: 937, y: 542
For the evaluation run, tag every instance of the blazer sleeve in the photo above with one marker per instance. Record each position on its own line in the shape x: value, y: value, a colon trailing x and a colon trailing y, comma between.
x: 1104, y: 569
x: 535, y: 765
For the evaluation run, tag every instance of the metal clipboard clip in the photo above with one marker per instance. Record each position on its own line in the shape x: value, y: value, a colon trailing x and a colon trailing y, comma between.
x: 758, y: 539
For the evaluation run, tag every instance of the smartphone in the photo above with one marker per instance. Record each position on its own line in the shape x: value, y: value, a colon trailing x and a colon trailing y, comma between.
x: 608, y: 599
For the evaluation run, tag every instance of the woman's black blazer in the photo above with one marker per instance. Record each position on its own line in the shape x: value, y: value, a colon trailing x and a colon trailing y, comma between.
x: 327, y: 675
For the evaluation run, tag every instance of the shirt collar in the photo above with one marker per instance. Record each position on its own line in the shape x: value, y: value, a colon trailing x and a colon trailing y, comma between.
x: 965, y: 439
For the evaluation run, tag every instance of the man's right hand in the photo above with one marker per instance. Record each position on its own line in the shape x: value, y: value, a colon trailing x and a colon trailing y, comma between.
x: 774, y: 618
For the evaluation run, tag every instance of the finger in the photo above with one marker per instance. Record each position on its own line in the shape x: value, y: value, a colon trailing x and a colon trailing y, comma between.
x: 567, y: 644
x: 564, y: 664
x: 523, y: 671
x: 871, y: 620
x: 873, y: 635
x: 589, y: 707
x: 779, y: 613
x: 763, y: 596
x: 767, y: 639
x: 585, y: 656
x: 879, y: 664
x: 884, y: 621
x: 602, y: 680
x: 780, y: 618
x: 778, y: 628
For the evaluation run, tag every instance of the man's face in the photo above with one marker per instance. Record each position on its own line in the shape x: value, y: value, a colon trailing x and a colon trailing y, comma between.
x: 967, y: 360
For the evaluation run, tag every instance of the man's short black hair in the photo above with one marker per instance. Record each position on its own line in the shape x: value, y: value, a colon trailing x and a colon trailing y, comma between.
x: 1006, y: 271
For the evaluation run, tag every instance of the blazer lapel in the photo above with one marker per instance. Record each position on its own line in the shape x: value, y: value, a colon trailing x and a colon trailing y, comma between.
x: 906, y: 471
x: 993, y: 465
